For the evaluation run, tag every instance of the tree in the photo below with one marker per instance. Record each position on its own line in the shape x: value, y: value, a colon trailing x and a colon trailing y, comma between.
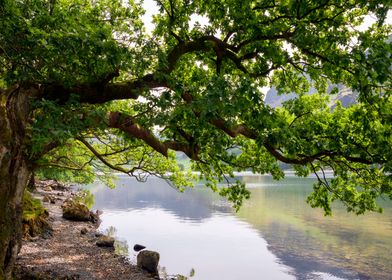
x: 85, y: 88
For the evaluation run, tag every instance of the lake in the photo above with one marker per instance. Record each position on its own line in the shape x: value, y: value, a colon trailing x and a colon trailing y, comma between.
x: 275, y: 235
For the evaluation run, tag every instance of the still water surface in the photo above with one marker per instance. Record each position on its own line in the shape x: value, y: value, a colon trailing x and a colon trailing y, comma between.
x: 276, y: 235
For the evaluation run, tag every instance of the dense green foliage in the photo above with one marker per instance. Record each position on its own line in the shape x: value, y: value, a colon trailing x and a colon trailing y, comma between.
x: 111, y: 94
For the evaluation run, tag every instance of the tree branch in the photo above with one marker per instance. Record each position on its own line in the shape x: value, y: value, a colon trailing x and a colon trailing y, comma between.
x: 243, y: 130
x: 128, y: 125
x: 102, y: 159
x: 101, y: 91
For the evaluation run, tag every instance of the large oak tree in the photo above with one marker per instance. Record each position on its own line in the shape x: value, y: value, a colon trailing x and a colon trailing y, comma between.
x: 86, y: 89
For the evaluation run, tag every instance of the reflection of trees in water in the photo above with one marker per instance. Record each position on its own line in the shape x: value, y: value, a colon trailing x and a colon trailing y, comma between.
x: 349, y: 255
x: 194, y: 204
x: 344, y: 245
x: 301, y: 237
x: 297, y: 250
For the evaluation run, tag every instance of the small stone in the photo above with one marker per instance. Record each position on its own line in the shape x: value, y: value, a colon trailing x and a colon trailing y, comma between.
x: 49, y: 198
x: 83, y: 230
x: 94, y: 217
x: 138, y: 247
x: 33, y: 239
x: 47, y: 233
x: 148, y: 260
x: 105, y: 241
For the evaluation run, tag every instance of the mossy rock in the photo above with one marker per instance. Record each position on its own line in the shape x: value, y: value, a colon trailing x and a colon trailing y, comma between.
x: 35, y: 216
x: 75, y: 211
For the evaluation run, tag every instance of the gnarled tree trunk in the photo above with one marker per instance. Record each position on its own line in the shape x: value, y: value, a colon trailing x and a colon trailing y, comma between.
x: 14, y: 173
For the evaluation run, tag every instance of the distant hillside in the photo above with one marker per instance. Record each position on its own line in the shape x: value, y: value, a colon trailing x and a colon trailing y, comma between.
x: 345, y: 96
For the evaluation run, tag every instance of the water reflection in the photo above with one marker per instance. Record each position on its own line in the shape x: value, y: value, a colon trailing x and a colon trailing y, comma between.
x: 274, y: 236
x: 194, y: 204
x: 344, y: 245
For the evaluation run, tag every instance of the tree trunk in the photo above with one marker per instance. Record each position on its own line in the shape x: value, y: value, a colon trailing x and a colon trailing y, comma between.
x: 14, y: 174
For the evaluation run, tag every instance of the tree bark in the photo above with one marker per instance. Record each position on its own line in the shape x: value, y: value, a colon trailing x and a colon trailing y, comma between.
x: 15, y: 172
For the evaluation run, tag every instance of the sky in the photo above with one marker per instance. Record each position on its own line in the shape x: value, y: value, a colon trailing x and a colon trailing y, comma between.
x: 151, y: 9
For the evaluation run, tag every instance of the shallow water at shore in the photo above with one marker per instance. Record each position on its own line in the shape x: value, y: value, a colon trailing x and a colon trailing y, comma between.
x: 276, y: 235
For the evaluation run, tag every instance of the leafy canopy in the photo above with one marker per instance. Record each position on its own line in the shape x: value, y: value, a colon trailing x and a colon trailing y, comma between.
x: 110, y: 94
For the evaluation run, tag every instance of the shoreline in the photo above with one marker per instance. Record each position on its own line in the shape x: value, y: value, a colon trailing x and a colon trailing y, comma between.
x: 69, y: 250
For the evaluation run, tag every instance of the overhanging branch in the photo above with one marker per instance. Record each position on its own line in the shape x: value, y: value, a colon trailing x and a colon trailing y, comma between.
x: 101, y: 91
x: 243, y: 130
x: 128, y: 125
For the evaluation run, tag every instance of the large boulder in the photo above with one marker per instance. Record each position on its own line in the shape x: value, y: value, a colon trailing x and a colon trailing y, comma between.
x: 78, y: 211
x: 75, y: 211
x: 148, y: 260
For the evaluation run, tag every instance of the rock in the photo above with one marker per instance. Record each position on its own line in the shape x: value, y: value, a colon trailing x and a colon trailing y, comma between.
x: 148, y: 260
x: 58, y: 186
x: 49, y: 198
x: 49, y: 185
x: 105, y: 241
x: 94, y: 217
x: 47, y: 233
x: 83, y: 230
x: 138, y: 247
x: 75, y: 211
x: 35, y: 217
x: 33, y: 239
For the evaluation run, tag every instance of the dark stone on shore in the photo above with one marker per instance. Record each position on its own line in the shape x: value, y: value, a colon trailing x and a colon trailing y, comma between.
x: 94, y: 217
x: 148, y: 260
x: 105, y: 241
x: 138, y: 247
x: 83, y: 230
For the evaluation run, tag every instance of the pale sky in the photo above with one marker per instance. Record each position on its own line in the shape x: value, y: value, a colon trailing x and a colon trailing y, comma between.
x: 152, y: 9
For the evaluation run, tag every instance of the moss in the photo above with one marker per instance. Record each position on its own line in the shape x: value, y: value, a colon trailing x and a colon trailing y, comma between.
x: 34, y: 216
